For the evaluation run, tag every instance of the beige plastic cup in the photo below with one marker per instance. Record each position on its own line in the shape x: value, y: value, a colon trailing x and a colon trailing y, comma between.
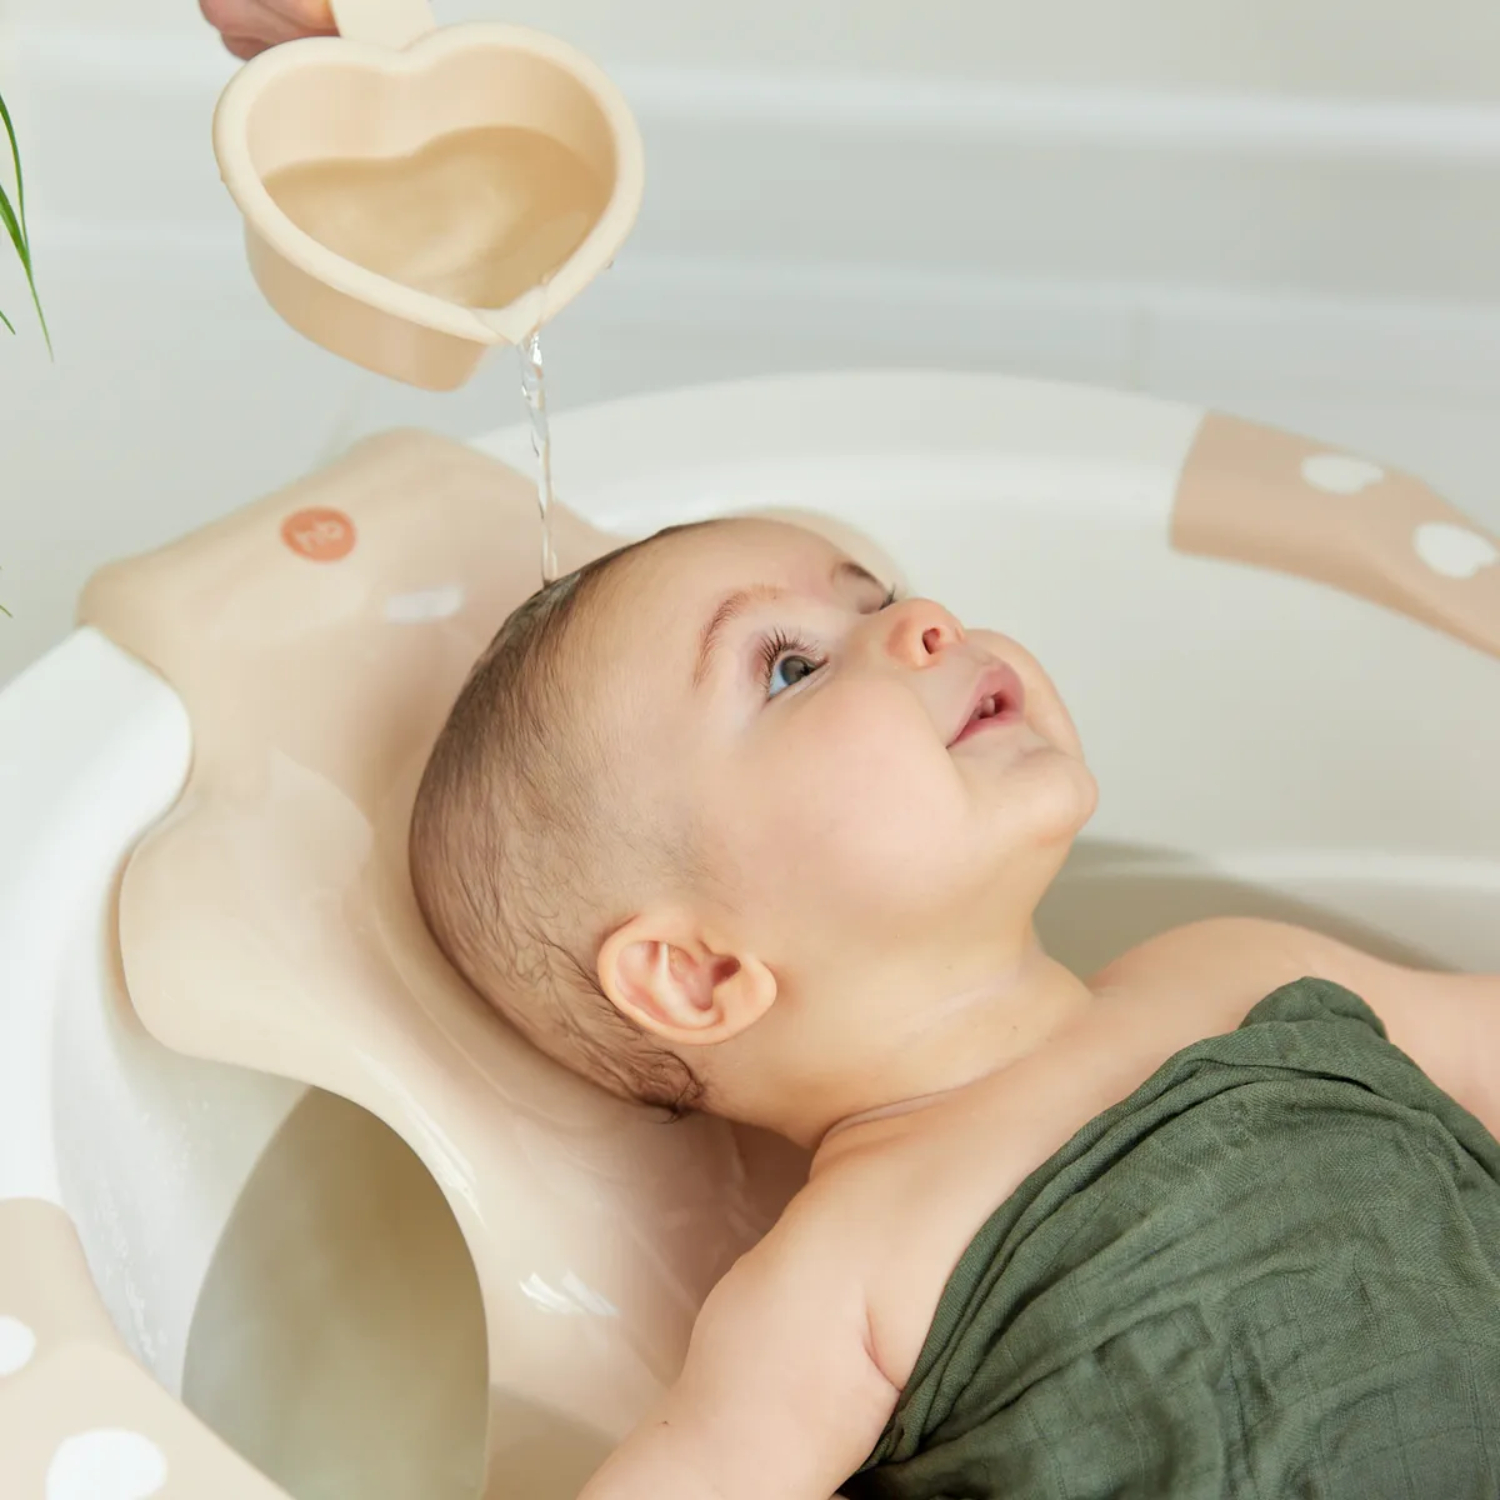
x: 391, y: 84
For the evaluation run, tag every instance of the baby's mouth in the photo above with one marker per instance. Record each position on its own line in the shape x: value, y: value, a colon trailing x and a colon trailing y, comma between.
x: 999, y: 699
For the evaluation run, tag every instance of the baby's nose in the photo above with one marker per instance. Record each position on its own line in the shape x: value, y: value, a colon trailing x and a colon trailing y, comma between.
x: 918, y: 631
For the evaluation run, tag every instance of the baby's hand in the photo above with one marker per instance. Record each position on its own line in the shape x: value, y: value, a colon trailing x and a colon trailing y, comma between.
x: 250, y: 26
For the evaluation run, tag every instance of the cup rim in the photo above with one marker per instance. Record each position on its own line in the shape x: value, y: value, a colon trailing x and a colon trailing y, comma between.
x: 267, y: 219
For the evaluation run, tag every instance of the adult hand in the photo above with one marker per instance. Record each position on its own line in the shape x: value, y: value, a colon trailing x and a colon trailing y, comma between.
x: 250, y: 26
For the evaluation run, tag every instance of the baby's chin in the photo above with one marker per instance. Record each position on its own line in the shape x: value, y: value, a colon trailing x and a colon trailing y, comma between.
x: 1088, y: 793
x: 1049, y: 792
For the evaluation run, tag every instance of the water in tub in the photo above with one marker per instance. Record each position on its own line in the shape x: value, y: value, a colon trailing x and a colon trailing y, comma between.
x: 480, y: 218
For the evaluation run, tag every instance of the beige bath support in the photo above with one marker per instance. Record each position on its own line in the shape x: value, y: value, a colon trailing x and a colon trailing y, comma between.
x: 364, y: 227
x: 318, y: 639
x: 79, y: 1419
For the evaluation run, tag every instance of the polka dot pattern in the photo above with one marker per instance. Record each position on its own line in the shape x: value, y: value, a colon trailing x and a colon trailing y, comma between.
x: 107, y: 1464
x: 1454, y: 551
x: 1340, y: 473
x: 17, y: 1345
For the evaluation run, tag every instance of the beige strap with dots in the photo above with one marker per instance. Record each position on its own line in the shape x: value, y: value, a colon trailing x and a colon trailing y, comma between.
x: 79, y: 1419
x: 1258, y: 495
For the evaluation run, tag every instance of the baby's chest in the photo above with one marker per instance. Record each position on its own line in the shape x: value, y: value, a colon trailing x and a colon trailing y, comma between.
x: 954, y: 1176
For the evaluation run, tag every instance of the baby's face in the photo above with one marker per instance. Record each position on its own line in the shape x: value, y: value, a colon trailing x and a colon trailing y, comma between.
x: 851, y: 769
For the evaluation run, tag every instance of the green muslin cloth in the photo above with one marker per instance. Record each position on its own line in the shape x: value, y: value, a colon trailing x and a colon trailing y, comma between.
x: 1272, y: 1272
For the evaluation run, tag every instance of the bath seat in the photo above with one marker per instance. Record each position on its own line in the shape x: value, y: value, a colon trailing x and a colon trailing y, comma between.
x: 272, y: 1181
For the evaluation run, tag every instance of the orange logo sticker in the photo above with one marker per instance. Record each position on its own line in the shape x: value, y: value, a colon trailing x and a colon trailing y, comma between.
x: 318, y: 534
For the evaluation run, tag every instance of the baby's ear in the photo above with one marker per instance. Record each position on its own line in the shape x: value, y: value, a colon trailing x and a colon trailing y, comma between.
x: 659, y: 973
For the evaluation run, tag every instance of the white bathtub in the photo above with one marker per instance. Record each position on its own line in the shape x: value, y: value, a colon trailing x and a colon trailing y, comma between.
x: 1263, y: 744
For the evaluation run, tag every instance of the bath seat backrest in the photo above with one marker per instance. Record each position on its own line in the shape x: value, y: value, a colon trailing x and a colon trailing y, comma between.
x: 317, y: 640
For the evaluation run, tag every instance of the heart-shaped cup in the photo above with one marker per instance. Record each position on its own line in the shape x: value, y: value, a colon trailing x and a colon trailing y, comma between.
x: 382, y: 235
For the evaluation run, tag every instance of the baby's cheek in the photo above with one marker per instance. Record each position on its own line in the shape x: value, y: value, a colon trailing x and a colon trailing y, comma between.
x: 868, y: 802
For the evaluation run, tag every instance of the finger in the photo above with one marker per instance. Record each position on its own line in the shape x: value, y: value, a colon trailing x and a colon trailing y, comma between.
x: 229, y: 17
x: 252, y: 22
x: 270, y: 29
x: 245, y: 47
x: 315, y: 16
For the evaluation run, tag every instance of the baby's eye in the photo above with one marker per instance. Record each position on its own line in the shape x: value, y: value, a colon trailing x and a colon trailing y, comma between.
x: 787, y: 671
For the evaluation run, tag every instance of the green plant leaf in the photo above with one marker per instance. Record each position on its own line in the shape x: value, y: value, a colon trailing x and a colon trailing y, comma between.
x: 14, y: 222
x: 13, y: 229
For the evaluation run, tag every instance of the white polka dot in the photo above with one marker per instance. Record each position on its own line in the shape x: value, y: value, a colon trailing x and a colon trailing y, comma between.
x: 1340, y: 473
x: 426, y: 604
x: 106, y: 1465
x: 17, y: 1345
x: 1454, y: 551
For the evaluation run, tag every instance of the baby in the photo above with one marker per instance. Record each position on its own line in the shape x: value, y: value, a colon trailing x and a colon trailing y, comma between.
x: 722, y: 824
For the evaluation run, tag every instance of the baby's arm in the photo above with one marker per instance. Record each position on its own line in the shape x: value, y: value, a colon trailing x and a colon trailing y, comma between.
x: 780, y: 1396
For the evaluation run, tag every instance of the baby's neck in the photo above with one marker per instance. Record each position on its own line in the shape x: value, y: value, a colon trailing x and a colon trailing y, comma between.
x: 953, y: 1043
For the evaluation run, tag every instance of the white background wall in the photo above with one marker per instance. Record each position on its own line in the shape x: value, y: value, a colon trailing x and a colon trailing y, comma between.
x: 1438, y: 49
x: 1287, y: 207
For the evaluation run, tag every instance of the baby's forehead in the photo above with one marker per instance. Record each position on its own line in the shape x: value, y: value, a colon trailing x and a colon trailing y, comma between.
x: 704, y: 560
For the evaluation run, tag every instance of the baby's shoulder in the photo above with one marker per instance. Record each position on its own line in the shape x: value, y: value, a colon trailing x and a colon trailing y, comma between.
x: 821, y: 1235
x: 802, y: 1294
x: 867, y: 1245
x: 828, y: 1250
x: 1447, y: 1023
x: 1221, y: 967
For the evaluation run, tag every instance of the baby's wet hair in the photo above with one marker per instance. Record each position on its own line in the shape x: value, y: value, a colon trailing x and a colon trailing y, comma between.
x: 522, y: 834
